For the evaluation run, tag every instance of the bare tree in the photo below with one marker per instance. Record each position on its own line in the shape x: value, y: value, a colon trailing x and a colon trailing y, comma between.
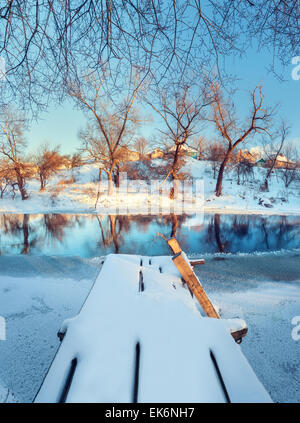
x: 234, y: 133
x: 47, y: 161
x: 181, y: 111
x: 200, y: 144
x: 114, y: 121
x: 75, y: 161
x: 244, y: 169
x: 273, y: 150
x: 12, y: 145
x: 7, y: 177
x: 141, y: 145
x: 290, y: 171
x: 215, y: 154
x: 40, y: 39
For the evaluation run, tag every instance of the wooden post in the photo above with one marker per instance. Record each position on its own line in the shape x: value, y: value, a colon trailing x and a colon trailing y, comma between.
x: 193, y: 283
x: 175, y: 247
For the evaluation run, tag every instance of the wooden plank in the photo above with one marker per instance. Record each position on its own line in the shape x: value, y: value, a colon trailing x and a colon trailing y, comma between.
x: 196, y: 262
x: 194, y: 285
x: 174, y: 245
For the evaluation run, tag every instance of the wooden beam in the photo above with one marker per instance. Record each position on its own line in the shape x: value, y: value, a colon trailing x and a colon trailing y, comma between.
x: 195, y: 286
x: 197, y: 262
x: 174, y: 245
x: 193, y: 283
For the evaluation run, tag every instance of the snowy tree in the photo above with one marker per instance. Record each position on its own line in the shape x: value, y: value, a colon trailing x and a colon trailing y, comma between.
x: 12, y: 145
x: 181, y: 110
x: 114, y: 119
x: 47, y: 161
x: 231, y: 130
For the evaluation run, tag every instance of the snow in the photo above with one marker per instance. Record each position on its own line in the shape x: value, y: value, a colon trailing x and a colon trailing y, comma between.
x: 262, y: 289
x: 245, y: 198
x: 76, y: 192
x: 34, y: 307
x: 175, y: 343
x: 270, y: 310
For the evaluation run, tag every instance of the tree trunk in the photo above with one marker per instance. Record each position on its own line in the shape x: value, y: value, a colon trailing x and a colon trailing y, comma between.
x: 42, y: 181
x: 21, y: 184
x: 174, y: 190
x: 110, y: 177
x: 266, y: 183
x: 214, y: 169
x: 174, y: 219
x: 221, y: 172
x: 238, y: 174
x: 99, y: 187
x: 117, y: 176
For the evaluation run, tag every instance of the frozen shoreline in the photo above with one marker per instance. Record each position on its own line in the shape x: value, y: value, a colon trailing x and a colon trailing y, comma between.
x: 76, y: 193
x: 142, y: 211
x: 38, y: 293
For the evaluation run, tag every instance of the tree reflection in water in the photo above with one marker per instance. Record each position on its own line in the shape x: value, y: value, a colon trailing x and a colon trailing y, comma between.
x: 93, y: 235
x: 262, y: 233
x: 111, y: 228
x: 216, y: 234
x: 17, y: 228
x: 56, y: 225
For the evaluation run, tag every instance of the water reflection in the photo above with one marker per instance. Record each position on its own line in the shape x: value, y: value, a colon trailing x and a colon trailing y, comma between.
x: 92, y: 235
x: 16, y: 228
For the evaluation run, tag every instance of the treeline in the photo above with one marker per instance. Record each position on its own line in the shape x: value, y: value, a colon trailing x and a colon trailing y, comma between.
x: 16, y: 167
x: 121, y: 61
x: 110, y: 140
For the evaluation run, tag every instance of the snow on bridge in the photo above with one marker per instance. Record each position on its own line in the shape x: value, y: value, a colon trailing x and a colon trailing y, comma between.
x: 140, y: 337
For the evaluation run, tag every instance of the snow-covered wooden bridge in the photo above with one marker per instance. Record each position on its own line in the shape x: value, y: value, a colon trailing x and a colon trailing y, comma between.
x: 140, y: 337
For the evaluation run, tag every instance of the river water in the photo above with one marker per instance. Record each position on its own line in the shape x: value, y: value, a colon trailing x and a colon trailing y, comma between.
x: 93, y: 235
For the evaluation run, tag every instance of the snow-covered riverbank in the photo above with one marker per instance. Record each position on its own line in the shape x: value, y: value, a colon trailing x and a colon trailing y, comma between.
x: 76, y: 192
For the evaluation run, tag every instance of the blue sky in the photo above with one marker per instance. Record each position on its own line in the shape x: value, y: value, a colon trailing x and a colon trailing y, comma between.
x: 62, y: 124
